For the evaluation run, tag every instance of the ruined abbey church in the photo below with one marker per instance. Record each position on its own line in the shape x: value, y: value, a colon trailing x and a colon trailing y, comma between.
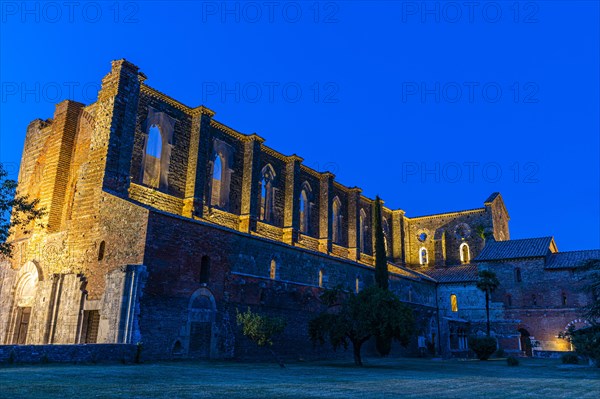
x: 162, y: 221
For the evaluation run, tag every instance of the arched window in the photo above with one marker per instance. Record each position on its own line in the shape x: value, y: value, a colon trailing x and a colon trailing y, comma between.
x: 518, y: 275
x: 508, y: 300
x: 336, y: 221
x: 386, y: 234
x: 101, y: 250
x: 423, y: 259
x: 465, y: 255
x: 454, y: 303
x: 266, y: 193
x: 564, y: 299
x: 304, y: 209
x: 217, y: 180
x: 358, y: 284
x: 534, y: 299
x: 362, y: 231
x: 204, y: 270
x: 152, y: 158
x: 322, y: 278
x: 273, y: 274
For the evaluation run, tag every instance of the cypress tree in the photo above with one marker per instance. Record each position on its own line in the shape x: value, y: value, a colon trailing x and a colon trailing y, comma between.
x: 381, y: 270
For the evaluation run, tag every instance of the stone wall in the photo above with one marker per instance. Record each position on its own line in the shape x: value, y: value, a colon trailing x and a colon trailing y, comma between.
x: 99, y: 353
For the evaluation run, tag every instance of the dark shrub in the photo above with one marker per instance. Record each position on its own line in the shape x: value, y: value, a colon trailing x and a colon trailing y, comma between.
x: 512, y: 361
x: 483, y: 347
x: 499, y: 353
x: 569, y: 358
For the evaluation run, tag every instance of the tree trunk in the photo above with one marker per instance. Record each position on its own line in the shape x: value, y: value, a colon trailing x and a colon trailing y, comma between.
x: 487, y: 310
x: 356, y: 345
x: 277, y: 359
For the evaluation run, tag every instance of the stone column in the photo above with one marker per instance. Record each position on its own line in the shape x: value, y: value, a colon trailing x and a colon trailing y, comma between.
x: 353, y: 223
x: 199, y: 152
x: 251, y: 175
x: 397, y: 232
x: 325, y: 188
x: 291, y: 217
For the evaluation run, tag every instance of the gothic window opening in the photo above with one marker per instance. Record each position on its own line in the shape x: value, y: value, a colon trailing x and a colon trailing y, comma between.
x: 386, y: 234
x: 204, y: 270
x: 217, y: 180
x: 362, y: 233
x: 152, y: 158
x: 322, y: 278
x: 423, y: 258
x: 358, y: 285
x: 101, y: 250
x: 267, y: 193
x: 564, y: 299
x: 305, y: 208
x: 454, y: 303
x: 534, y: 300
x: 465, y: 255
x: 336, y: 221
x: 518, y: 275
x: 273, y: 272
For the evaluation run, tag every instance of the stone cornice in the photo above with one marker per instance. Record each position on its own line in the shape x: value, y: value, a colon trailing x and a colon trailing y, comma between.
x: 273, y: 153
x: 228, y: 130
x: 163, y: 97
x: 202, y: 110
x: 448, y: 214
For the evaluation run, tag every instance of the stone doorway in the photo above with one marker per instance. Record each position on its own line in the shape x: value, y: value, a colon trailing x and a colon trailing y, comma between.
x: 22, y: 325
x: 525, y: 342
x: 201, y: 318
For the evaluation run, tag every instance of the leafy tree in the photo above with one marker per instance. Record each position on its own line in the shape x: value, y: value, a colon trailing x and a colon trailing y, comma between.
x: 592, y: 311
x: 383, y: 344
x: 483, y: 347
x: 381, y: 268
x: 260, y: 329
x: 587, y: 340
x: 23, y: 209
x: 487, y: 282
x: 355, y: 318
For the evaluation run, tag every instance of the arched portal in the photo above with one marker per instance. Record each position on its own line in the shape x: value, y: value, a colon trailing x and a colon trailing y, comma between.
x: 25, y: 292
x: 201, y: 318
x: 525, y: 342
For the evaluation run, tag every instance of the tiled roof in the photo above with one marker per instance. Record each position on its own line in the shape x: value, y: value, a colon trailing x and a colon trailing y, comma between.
x: 454, y: 274
x: 571, y: 259
x: 513, y: 249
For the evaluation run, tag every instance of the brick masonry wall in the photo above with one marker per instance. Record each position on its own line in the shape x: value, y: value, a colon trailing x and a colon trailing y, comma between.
x: 96, y: 353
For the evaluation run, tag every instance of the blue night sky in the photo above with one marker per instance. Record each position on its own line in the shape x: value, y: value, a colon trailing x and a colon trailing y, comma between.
x: 431, y: 105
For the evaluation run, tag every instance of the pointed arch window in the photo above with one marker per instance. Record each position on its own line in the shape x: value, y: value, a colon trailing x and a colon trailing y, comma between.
x: 204, y: 274
x: 217, y: 180
x: 274, y: 272
x: 423, y: 258
x: 336, y: 221
x: 267, y: 193
x: 152, y: 157
x: 358, y: 284
x: 518, y: 278
x: 362, y: 231
x: 454, y: 303
x: 322, y: 278
x: 386, y: 234
x: 465, y: 254
x: 305, y: 208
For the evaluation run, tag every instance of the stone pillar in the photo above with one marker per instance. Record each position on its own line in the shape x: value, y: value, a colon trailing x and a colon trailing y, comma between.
x: 193, y: 203
x: 325, y: 188
x: 116, y: 119
x: 439, y: 246
x: 58, y: 162
x: 291, y: 217
x: 397, y: 232
x: 251, y: 174
x: 353, y: 223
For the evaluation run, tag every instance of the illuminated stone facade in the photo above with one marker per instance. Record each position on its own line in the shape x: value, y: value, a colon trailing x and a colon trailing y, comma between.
x: 163, y: 221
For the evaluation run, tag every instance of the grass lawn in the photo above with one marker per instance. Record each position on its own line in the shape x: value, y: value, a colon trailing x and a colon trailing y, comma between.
x: 380, y: 378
